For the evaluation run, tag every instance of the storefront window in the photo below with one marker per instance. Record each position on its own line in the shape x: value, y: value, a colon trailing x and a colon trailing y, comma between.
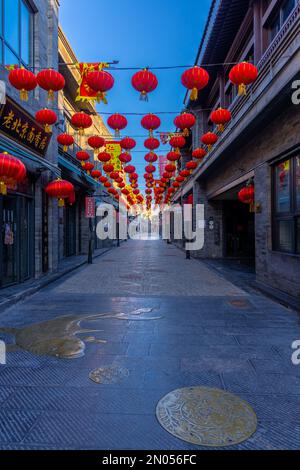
x: 286, y: 223
x: 16, y: 37
x: 280, y: 18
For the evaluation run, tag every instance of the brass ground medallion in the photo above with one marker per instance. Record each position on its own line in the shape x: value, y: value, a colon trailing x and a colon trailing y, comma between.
x: 206, y: 417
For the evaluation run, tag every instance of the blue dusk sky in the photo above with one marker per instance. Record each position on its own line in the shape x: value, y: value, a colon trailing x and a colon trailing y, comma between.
x: 138, y: 34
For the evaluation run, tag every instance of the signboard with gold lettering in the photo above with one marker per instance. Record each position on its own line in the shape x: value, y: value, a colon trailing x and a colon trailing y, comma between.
x: 115, y: 150
x: 21, y: 127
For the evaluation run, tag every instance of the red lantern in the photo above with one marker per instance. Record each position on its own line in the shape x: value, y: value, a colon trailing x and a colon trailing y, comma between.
x: 96, y: 142
x: 46, y: 117
x: 108, y: 168
x: 125, y: 191
x: 125, y: 157
x: 151, y: 143
x: 199, y: 153
x: 23, y: 80
x: 88, y: 167
x: 12, y: 171
x: 173, y: 156
x: 170, y: 168
x: 51, y: 81
x: 104, y: 157
x: 96, y: 174
x: 127, y: 143
x: 151, y: 123
x: 243, y: 74
x: 60, y: 189
x: 220, y: 117
x: 100, y: 81
x: 176, y: 184
x: 185, y: 173
x: 117, y: 122
x: 129, y: 169
x: 151, y: 157
x: 133, y: 176
x: 177, y: 142
x: 191, y: 165
x: 246, y: 195
x: 81, y: 121
x: 150, y: 169
x: 107, y: 184
x: 103, y: 179
x: 82, y: 156
x: 195, y: 79
x: 72, y: 198
x: 209, y: 139
x: 185, y: 122
x: 66, y: 140
x: 180, y: 179
x: 144, y: 81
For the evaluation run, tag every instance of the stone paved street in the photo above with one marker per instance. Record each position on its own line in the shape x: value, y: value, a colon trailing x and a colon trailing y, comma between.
x: 199, y: 329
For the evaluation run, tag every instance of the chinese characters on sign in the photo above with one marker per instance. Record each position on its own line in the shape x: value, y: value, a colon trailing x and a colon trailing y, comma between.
x: 21, y: 127
x: 90, y: 211
x: 115, y: 150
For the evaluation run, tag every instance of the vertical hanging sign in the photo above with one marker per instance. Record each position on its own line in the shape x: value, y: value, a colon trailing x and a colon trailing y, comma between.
x: 90, y: 211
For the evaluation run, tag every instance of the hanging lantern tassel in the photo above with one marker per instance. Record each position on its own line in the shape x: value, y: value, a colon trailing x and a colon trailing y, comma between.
x: 144, y: 96
x: 48, y: 129
x: 242, y: 89
x: 61, y: 202
x: 101, y: 97
x: 209, y: 147
x: 194, y: 94
x: 23, y: 95
x: 117, y: 132
x: 65, y: 148
x: 3, y: 188
x: 220, y: 127
x: 186, y: 132
x: 51, y: 95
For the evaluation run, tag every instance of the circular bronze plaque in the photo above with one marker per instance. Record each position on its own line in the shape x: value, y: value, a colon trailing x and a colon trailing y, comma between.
x: 206, y: 416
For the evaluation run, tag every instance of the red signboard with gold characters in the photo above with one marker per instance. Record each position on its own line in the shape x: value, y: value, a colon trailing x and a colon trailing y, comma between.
x: 21, y: 127
x: 85, y: 93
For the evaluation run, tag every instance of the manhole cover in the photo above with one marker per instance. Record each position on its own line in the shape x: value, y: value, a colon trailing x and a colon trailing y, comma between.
x: 109, y: 375
x: 206, y: 416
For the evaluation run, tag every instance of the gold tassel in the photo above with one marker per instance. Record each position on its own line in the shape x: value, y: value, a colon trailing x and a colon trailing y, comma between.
x: 3, y: 188
x: 144, y: 96
x: 48, y: 129
x: 24, y: 95
x: 242, y: 89
x: 50, y: 95
x: 194, y: 94
x: 81, y: 131
x: 65, y: 148
x: 101, y: 97
x: 186, y: 132
x: 221, y: 127
x: 61, y: 202
x: 209, y: 147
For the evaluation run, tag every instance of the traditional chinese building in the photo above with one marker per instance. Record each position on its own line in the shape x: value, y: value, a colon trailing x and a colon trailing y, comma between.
x: 29, y: 39
x: 261, y: 144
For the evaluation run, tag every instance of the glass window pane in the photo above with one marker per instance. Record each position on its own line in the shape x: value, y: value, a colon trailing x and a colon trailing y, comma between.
x: 275, y: 27
x: 285, y: 235
x: 282, y: 187
x: 287, y: 8
x: 11, y: 23
x: 9, y: 57
x: 298, y: 182
x: 25, y: 34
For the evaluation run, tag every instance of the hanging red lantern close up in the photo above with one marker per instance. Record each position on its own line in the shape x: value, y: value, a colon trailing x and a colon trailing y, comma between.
x: 61, y: 189
x: 185, y: 122
x: 23, y: 80
x: 66, y: 140
x: 150, y: 122
x: 82, y: 156
x: 220, y: 117
x: 191, y: 165
x: 101, y: 82
x: 117, y: 122
x: 173, y: 156
x: 96, y: 142
x: 151, y: 157
x: 12, y: 171
x: 170, y: 168
x: 177, y: 142
x: 96, y: 174
x: 195, y: 79
x: 51, y: 81
x: 185, y: 173
x: 104, y: 157
x: 151, y: 143
x: 88, y: 167
x: 108, y: 168
x: 199, y: 153
x: 129, y: 169
x: 81, y: 121
x: 242, y: 75
x: 150, y: 169
x: 209, y: 139
x: 102, y: 179
x: 145, y: 82
x: 46, y: 117
x: 128, y: 143
x: 125, y: 157
x: 246, y: 195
